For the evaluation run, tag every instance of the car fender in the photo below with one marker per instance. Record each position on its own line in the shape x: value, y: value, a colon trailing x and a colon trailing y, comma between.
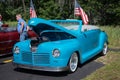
x: 102, y: 39
x: 69, y: 50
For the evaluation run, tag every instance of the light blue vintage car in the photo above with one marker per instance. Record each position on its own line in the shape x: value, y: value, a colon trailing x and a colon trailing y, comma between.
x: 61, y: 45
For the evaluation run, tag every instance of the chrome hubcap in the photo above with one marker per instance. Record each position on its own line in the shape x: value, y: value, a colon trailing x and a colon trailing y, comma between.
x: 73, y: 62
x: 105, y: 49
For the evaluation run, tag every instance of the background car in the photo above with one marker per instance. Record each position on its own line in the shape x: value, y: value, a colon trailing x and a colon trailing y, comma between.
x: 61, y: 45
x: 8, y: 37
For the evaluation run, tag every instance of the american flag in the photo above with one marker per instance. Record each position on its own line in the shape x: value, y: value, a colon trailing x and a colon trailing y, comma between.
x: 32, y: 10
x: 79, y: 12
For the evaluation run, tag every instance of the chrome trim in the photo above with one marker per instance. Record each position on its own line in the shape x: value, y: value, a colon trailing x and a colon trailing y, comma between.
x: 52, y: 69
x: 8, y: 41
x: 4, y: 54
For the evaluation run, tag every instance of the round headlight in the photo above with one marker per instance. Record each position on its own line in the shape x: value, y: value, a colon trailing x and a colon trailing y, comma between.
x: 16, y: 50
x: 56, y: 53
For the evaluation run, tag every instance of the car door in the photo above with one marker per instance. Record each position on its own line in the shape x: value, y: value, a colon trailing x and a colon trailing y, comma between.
x: 3, y: 42
x: 13, y: 37
x: 90, y: 40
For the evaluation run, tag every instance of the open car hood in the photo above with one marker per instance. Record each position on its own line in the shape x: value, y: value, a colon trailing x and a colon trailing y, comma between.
x: 39, y: 25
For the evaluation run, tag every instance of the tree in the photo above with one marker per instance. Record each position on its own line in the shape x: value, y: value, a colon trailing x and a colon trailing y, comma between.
x: 23, y: 2
x: 48, y: 9
x: 105, y: 12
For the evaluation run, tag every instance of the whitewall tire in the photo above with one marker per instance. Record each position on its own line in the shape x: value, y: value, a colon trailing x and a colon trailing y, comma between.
x: 105, y: 49
x: 73, y: 63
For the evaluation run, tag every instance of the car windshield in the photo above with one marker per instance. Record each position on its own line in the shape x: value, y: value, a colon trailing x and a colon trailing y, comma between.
x: 68, y: 24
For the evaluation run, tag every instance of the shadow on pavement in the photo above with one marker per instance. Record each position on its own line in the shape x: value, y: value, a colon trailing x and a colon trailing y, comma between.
x: 114, y: 49
x: 82, y: 71
x: 6, y: 56
x: 43, y: 73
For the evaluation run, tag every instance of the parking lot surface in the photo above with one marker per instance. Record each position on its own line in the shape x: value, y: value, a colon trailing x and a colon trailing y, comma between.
x: 9, y: 72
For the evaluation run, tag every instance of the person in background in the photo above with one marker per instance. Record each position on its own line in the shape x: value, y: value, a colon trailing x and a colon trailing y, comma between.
x: 1, y: 23
x: 22, y: 27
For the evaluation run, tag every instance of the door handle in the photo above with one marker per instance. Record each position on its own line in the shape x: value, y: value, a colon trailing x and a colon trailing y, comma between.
x: 85, y: 35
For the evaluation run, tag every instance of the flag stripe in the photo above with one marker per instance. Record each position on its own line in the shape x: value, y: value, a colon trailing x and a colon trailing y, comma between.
x: 83, y: 16
x: 79, y: 12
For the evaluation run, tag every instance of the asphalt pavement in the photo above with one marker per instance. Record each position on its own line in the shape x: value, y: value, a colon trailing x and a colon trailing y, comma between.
x: 9, y: 72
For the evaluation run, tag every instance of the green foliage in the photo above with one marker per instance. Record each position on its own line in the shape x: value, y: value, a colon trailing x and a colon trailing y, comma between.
x: 49, y: 10
x: 102, y: 12
x: 113, y: 35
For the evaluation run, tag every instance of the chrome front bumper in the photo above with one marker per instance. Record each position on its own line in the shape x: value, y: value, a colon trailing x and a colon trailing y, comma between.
x: 52, y: 69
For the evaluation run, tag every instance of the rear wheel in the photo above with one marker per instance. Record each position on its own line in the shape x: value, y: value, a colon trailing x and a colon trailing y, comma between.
x: 73, y: 62
x: 105, y: 49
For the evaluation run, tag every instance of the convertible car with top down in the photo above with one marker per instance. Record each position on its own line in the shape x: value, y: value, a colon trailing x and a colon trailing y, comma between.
x: 60, y: 45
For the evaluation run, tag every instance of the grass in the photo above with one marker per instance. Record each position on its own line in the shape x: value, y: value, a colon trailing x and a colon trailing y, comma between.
x: 113, y: 35
x: 111, y: 70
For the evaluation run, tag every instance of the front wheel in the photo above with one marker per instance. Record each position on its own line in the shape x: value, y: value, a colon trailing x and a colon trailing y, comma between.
x: 73, y: 62
x: 105, y: 49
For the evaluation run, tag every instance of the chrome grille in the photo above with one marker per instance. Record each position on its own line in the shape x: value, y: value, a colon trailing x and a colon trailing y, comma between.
x: 27, y: 57
x: 35, y: 58
x: 41, y: 58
